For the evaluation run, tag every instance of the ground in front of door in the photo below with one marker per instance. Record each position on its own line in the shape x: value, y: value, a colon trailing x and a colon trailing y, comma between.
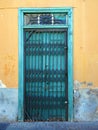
x: 50, y: 126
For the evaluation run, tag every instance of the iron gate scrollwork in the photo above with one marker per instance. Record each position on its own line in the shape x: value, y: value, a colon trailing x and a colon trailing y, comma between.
x: 45, y: 74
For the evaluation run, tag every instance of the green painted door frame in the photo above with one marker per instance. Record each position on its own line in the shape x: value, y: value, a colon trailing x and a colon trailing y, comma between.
x: 69, y: 26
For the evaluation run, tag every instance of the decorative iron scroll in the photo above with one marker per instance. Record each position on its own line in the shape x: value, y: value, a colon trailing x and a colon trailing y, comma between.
x: 48, y: 19
x: 45, y: 73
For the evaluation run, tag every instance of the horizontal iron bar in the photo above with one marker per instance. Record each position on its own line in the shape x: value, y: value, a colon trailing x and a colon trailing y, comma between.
x: 45, y: 52
x: 46, y: 106
x: 38, y: 79
x: 46, y: 102
x: 50, y: 30
x: 46, y: 98
x: 46, y: 26
x: 48, y: 72
x: 40, y: 45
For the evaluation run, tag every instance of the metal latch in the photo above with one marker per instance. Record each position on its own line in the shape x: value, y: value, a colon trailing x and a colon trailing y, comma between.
x: 66, y: 102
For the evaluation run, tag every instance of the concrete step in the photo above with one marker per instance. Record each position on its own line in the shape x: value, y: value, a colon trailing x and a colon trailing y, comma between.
x: 50, y: 126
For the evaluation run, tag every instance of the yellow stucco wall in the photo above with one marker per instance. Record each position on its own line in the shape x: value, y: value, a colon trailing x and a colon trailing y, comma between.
x: 85, y: 38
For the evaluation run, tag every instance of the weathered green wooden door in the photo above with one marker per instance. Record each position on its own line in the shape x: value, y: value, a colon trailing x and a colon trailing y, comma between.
x: 46, y: 79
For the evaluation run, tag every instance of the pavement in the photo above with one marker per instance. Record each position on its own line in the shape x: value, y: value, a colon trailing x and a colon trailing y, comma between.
x: 49, y: 126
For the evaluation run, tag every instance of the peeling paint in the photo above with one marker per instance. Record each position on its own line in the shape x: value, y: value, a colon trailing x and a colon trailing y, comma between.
x: 2, y: 85
x: 85, y: 103
x: 8, y: 104
x: 83, y: 84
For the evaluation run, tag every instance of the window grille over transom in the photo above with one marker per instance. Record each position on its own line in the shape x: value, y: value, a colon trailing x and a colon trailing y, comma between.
x: 45, y: 18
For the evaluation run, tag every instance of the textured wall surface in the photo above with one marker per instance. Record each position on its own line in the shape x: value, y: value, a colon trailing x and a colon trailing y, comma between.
x: 8, y: 104
x: 85, y: 104
x: 85, y: 38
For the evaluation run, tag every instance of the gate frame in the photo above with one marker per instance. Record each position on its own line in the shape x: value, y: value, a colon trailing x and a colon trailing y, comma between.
x: 21, y: 27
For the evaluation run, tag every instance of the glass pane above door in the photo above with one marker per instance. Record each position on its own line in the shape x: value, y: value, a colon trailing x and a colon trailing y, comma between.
x: 43, y: 18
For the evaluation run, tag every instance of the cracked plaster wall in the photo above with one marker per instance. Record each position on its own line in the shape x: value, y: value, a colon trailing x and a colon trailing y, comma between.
x: 8, y: 104
x: 85, y: 103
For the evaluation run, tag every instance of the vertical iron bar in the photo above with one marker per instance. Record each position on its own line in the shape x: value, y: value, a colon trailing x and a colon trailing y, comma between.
x: 35, y: 77
x: 28, y: 87
x: 45, y: 42
x: 50, y: 74
x: 41, y: 74
x: 56, y: 74
x: 38, y: 75
x: 30, y: 75
x: 46, y: 75
x: 24, y: 75
x: 44, y: 68
x: 66, y: 69
x: 49, y: 68
x: 61, y: 71
x: 53, y: 74
x: 32, y: 83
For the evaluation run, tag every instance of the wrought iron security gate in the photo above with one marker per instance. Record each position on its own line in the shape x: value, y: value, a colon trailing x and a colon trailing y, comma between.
x: 46, y: 79
x: 45, y: 64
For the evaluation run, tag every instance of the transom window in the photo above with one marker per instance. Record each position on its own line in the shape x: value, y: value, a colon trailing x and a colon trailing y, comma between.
x: 44, y: 18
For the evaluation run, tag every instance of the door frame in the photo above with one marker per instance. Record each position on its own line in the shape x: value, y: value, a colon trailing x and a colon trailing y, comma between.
x: 21, y: 27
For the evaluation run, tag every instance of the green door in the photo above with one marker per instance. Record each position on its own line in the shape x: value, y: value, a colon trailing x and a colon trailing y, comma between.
x: 45, y: 78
